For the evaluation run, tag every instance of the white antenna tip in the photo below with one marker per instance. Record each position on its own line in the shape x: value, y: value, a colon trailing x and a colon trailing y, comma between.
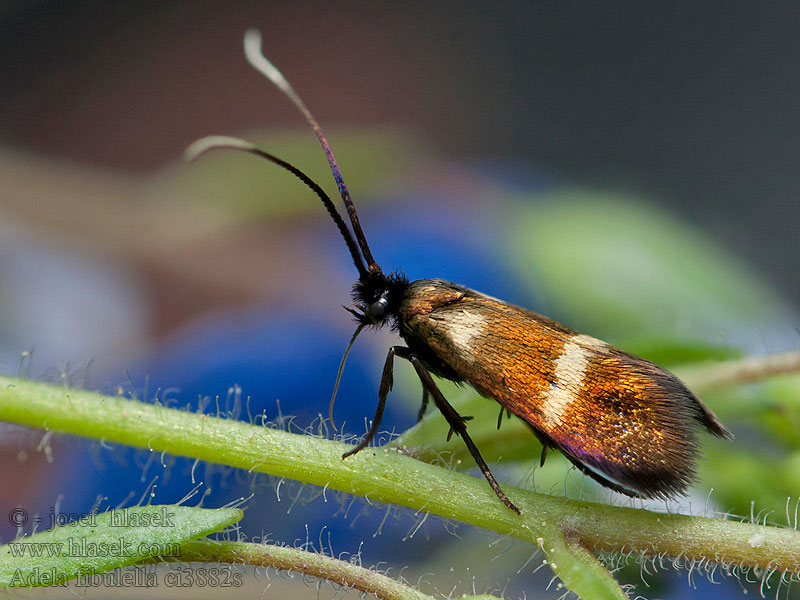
x: 252, y: 51
x: 252, y: 42
x: 214, y: 142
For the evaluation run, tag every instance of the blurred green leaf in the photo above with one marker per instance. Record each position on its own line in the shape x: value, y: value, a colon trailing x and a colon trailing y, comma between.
x: 618, y: 268
x: 669, y: 352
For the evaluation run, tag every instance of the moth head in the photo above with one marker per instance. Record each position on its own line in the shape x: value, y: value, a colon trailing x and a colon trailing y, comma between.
x: 377, y: 298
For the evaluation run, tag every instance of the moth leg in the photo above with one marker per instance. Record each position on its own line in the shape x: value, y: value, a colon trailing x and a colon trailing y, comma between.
x: 500, y: 416
x: 543, y: 440
x: 424, y: 406
x: 457, y: 422
x: 383, y: 391
x: 464, y: 420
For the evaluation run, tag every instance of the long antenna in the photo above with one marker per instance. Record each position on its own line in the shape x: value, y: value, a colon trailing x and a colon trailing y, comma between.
x: 216, y: 142
x: 341, y: 370
x: 252, y: 50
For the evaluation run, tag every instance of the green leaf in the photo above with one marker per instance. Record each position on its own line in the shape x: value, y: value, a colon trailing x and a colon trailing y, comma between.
x: 98, y: 543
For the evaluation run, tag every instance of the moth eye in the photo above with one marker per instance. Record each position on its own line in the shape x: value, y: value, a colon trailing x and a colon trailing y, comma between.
x: 377, y: 310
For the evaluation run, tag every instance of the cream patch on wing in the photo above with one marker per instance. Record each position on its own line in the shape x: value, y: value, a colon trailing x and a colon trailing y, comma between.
x: 464, y: 330
x: 568, y: 377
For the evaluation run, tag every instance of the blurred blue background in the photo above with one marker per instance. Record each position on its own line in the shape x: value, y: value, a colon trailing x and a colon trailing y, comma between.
x: 465, y: 132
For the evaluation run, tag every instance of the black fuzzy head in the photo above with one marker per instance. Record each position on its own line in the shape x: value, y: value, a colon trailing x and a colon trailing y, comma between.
x: 377, y: 298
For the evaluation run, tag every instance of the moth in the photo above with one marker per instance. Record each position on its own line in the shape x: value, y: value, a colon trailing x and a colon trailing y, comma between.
x: 622, y: 420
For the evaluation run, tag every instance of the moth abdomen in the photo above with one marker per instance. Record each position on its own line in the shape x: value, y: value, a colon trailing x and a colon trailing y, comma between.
x: 623, y: 420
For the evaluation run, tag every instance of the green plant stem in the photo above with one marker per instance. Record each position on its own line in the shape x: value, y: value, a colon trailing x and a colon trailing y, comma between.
x: 300, y: 561
x: 387, y: 475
